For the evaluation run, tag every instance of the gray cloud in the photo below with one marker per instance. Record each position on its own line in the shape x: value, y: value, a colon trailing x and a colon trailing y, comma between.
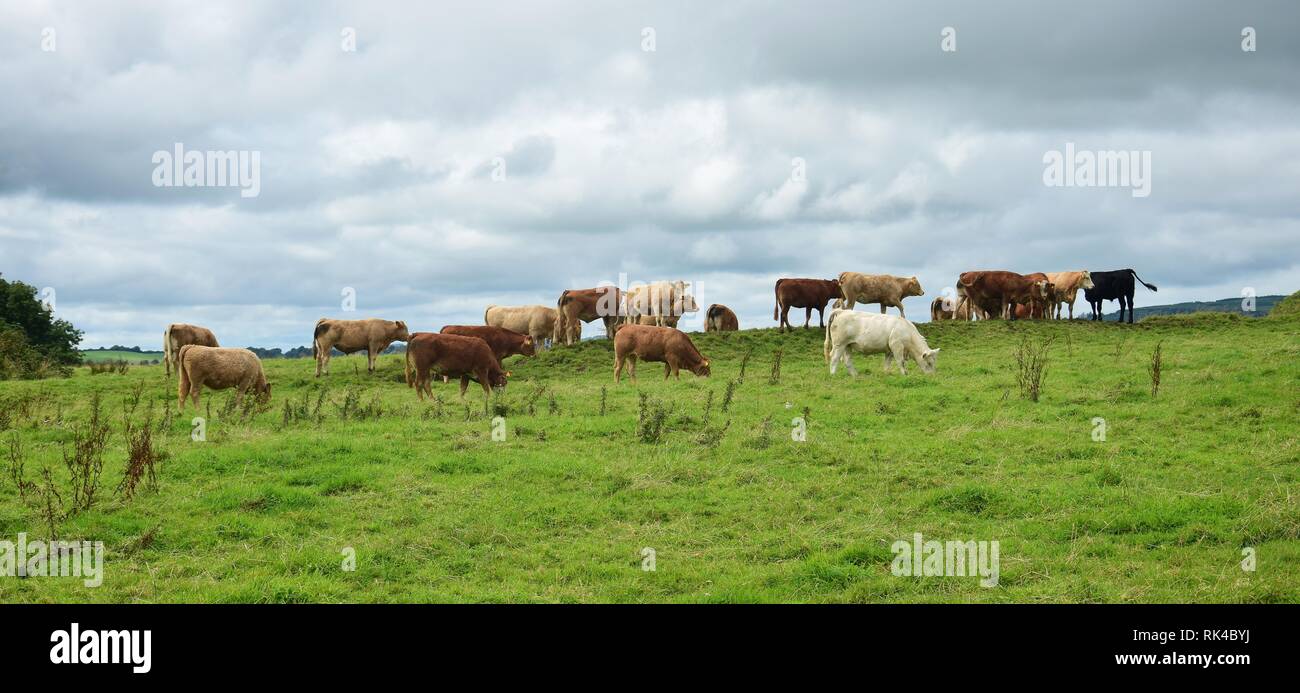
x: 673, y: 163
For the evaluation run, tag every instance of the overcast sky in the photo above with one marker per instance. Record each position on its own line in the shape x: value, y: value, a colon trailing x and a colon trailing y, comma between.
x: 380, y: 167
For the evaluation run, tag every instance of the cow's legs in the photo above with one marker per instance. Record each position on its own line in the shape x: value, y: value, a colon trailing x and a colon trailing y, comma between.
x: 618, y: 367
x: 834, y: 359
x: 821, y: 317
x: 899, y: 354
x: 487, y: 391
x: 370, y: 359
x: 900, y: 311
x: 785, y: 317
x: 464, y: 385
x: 195, y: 389
x: 668, y: 369
x: 631, y: 367
x: 848, y: 362
x: 807, y: 316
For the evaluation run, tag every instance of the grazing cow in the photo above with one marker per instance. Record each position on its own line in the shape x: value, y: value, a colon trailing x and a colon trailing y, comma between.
x: 949, y: 308
x: 577, y: 306
x: 719, y: 318
x: 218, y: 368
x: 453, y: 356
x: 501, y: 341
x: 350, y: 336
x: 537, y: 322
x: 177, y: 335
x: 885, y: 289
x: 869, y: 333
x: 660, y: 300
x: 1110, y: 286
x: 1067, y: 285
x: 1002, y: 289
x: 807, y: 294
x: 662, y: 344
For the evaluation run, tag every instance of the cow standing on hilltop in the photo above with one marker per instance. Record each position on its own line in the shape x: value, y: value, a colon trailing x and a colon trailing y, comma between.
x: 885, y: 289
x: 659, y: 300
x: 719, y: 318
x: 807, y: 294
x: 1067, y: 289
x: 998, y: 291
x: 577, y: 306
x: 1113, y: 285
x: 177, y: 335
x: 537, y: 322
x: 350, y: 336
x: 869, y: 333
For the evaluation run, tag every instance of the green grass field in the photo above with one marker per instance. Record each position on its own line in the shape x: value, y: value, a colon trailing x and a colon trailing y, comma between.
x: 560, y: 511
x: 132, y: 357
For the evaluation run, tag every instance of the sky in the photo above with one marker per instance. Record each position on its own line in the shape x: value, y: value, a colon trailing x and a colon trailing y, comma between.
x: 420, y: 161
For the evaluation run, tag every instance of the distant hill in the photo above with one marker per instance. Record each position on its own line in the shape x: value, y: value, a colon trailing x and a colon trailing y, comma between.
x: 1263, y: 304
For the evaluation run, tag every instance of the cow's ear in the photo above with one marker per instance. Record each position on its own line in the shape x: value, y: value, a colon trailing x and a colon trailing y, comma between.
x: 507, y: 374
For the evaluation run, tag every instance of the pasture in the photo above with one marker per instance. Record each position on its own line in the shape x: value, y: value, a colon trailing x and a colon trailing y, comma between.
x: 132, y: 357
x: 591, y: 473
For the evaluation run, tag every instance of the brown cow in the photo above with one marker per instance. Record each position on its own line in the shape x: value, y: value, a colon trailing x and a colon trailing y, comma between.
x: 719, y: 318
x: 1067, y: 289
x: 1004, y: 288
x: 537, y: 322
x: 807, y: 294
x: 1039, y: 307
x: 218, y: 368
x: 452, y: 356
x: 585, y: 305
x: 503, y: 342
x: 350, y: 336
x: 949, y: 308
x: 177, y: 335
x: 885, y: 289
x: 663, y: 344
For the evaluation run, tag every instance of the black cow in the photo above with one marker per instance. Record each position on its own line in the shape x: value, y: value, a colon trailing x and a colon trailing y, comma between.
x: 1112, y: 285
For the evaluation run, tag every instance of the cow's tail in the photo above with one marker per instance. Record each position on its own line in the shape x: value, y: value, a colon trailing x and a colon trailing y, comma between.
x: 776, y: 310
x: 826, y: 345
x: 183, y: 388
x: 1149, y: 286
x: 485, y: 314
x: 409, y: 381
x: 315, y: 337
x: 167, y: 350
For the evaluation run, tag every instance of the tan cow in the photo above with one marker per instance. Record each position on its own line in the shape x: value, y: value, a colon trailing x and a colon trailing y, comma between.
x: 885, y: 289
x: 218, y: 368
x: 350, y: 336
x: 177, y: 335
x: 1067, y: 289
x: 537, y: 322
x: 660, y: 300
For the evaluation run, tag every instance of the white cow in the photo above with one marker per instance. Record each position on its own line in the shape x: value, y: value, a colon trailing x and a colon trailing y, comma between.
x: 870, y: 333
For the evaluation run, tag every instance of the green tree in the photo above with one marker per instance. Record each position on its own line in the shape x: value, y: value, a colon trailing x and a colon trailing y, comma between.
x: 33, y: 343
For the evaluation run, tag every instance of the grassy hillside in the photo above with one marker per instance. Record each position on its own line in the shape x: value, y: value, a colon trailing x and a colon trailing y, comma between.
x: 132, y: 357
x: 734, y: 509
x: 1263, y: 304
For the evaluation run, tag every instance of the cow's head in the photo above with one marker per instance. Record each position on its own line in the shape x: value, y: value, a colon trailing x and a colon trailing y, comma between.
x: 702, y: 369
x: 498, y: 379
x: 1087, y: 280
x: 400, y: 334
x: 1040, y: 288
x: 264, y: 390
x: 928, y: 359
x: 527, y: 348
x: 914, y: 288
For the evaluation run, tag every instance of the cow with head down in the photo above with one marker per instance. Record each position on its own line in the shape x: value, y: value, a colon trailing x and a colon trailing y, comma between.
x: 868, y: 333
x: 371, y: 335
x: 219, y: 368
x: 452, y: 356
x: 659, y: 344
x: 719, y: 318
x: 885, y: 289
x: 1001, y: 290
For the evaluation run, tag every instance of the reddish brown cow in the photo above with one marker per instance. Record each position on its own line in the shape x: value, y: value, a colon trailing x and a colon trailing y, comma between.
x: 807, y: 294
x: 1004, y: 288
x: 663, y: 344
x: 503, y: 342
x: 603, y: 302
x: 719, y: 318
x: 1038, y: 306
x: 453, y: 356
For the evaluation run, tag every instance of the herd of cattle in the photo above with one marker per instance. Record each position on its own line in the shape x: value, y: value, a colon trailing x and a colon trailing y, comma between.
x: 643, y: 324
